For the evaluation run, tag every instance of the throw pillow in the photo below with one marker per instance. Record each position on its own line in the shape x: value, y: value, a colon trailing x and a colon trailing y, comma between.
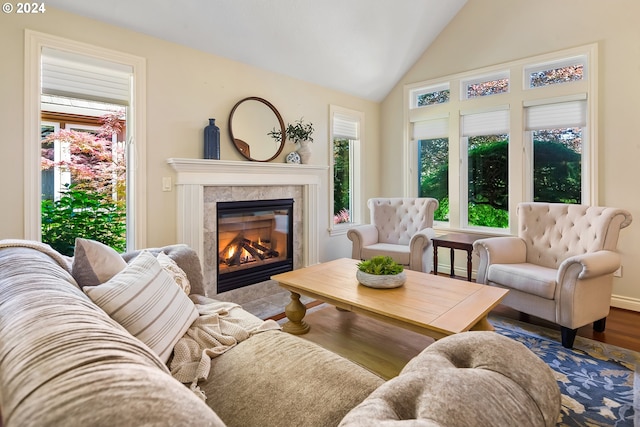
x: 145, y: 300
x: 176, y: 273
x: 95, y: 263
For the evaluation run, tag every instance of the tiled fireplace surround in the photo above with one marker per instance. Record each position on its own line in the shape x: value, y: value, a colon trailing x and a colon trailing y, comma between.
x: 200, y: 184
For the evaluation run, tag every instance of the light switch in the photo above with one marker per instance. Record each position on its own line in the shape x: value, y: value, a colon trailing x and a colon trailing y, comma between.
x: 166, y: 183
x: 618, y: 272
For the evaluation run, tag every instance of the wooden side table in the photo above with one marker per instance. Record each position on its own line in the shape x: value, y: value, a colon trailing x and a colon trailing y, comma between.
x: 454, y: 241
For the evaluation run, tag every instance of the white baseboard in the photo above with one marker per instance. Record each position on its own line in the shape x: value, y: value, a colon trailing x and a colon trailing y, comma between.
x: 458, y: 271
x: 626, y: 303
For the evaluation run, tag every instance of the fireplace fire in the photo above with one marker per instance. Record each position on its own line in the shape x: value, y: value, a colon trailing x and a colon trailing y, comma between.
x: 243, y: 251
x: 255, y: 241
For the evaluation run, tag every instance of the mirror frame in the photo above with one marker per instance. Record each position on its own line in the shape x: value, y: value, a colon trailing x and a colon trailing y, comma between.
x: 241, y: 145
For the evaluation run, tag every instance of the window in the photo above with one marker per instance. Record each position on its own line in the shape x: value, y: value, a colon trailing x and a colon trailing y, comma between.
x: 485, y: 142
x: 433, y: 163
x: 88, y: 195
x: 46, y: 59
x: 345, y: 165
x: 557, y: 165
x: 497, y: 141
x: 555, y: 133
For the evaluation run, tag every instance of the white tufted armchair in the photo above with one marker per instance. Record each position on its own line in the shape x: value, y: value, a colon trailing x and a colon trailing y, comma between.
x: 560, y: 267
x: 400, y: 228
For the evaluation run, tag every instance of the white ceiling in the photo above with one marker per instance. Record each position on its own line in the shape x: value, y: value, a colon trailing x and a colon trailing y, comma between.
x: 360, y: 47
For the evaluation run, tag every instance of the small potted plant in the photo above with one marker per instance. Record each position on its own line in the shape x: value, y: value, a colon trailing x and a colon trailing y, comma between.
x: 381, y: 272
x: 299, y: 133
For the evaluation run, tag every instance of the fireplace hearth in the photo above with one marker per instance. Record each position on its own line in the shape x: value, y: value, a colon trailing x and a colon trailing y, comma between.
x: 255, y: 241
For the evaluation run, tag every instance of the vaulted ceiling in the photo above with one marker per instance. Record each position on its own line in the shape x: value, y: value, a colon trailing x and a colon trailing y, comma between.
x: 360, y: 47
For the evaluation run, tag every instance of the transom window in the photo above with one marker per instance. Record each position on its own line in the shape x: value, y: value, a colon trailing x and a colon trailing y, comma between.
x: 439, y: 94
x: 557, y: 72
x: 486, y: 86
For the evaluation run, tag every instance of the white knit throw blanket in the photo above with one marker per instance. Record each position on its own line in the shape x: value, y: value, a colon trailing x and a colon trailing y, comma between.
x: 220, y: 326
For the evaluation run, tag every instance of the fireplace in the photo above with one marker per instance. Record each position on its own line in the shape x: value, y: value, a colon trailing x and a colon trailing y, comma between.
x: 201, y: 184
x: 255, y: 241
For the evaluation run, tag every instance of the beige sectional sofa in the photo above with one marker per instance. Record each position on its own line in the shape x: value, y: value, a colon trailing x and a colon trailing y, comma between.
x: 65, y: 362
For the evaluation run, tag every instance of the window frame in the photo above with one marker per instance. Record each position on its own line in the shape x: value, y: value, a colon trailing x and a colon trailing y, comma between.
x: 439, y: 130
x: 355, y: 170
x: 586, y: 154
x: 56, y: 174
x: 136, y: 146
x: 520, y: 96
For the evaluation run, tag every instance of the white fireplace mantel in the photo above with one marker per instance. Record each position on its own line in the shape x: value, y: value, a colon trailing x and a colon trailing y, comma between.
x: 195, y: 174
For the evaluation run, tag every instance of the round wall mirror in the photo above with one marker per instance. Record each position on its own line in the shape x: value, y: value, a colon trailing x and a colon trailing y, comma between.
x: 251, y: 122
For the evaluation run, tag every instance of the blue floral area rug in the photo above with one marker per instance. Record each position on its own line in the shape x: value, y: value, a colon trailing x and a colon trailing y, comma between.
x: 598, y: 382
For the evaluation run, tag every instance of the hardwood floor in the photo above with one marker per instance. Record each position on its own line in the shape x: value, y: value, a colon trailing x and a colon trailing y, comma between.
x: 622, y: 329
x: 378, y: 346
x: 385, y: 349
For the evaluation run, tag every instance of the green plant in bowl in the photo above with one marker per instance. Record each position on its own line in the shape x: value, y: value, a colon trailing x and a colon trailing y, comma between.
x: 380, y: 265
x: 380, y: 272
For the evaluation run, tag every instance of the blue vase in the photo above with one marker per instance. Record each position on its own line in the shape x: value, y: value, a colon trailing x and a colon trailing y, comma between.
x: 212, y: 141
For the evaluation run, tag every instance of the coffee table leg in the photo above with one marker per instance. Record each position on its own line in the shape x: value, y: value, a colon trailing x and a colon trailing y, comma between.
x: 295, y: 312
x: 483, y: 325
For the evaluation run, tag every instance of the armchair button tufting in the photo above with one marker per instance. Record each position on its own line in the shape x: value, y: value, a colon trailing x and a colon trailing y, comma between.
x: 398, y: 220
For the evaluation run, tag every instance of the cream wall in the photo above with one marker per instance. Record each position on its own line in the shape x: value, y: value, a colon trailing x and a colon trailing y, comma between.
x: 185, y: 87
x: 488, y: 32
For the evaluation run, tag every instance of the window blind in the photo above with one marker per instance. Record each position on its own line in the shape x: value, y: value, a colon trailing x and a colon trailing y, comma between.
x: 345, y: 127
x: 489, y: 123
x: 429, y: 129
x: 557, y: 115
x: 78, y: 76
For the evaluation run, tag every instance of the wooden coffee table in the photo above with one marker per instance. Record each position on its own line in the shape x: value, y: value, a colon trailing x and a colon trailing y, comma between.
x: 431, y: 305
